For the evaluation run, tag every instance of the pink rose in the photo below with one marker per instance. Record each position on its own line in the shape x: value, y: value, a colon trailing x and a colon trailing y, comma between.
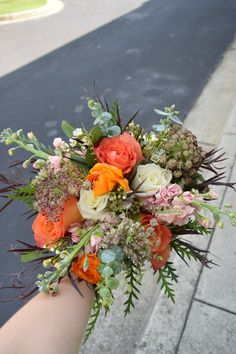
x: 121, y: 151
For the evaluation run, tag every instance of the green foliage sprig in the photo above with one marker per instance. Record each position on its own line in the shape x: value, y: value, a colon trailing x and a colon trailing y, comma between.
x: 187, y: 252
x: 96, y: 309
x: 25, y: 193
x: 29, y: 143
x: 133, y: 281
x: 166, y: 277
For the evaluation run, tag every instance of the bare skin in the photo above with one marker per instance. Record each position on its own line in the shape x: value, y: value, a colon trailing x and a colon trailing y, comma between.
x: 49, y: 325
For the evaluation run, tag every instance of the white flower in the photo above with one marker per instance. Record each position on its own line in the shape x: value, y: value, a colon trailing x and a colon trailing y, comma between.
x: 30, y: 135
x: 72, y: 142
x: 149, y: 178
x: 77, y: 132
x: 57, y: 143
x: 90, y: 205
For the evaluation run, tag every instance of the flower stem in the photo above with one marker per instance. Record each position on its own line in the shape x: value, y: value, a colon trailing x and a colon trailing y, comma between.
x: 28, y: 147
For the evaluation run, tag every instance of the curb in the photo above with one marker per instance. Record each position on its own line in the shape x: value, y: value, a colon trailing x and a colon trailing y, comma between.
x: 209, y: 116
x: 213, y: 121
x: 50, y: 8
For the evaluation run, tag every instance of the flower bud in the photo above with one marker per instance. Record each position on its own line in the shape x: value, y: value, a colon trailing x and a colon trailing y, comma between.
x: 11, y: 151
x: 39, y: 164
x: 220, y: 224
x: 46, y: 263
x: 31, y: 135
x: 205, y: 222
x: 26, y: 163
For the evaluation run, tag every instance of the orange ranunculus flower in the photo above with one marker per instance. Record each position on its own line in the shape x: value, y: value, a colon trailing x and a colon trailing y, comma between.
x: 160, y: 243
x: 105, y: 177
x: 91, y: 275
x: 46, y: 232
x: 121, y: 151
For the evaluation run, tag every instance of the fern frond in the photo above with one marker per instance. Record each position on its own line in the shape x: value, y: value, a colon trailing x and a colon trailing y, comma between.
x: 166, y: 277
x: 97, y: 306
x: 133, y: 281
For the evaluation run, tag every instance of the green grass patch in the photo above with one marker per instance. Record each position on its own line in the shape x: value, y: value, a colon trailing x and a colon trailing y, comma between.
x: 10, y: 6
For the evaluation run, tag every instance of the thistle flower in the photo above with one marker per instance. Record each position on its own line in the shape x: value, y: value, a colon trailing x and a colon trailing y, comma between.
x: 180, y: 153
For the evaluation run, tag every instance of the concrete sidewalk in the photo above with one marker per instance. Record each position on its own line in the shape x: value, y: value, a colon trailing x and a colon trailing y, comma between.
x: 203, y: 320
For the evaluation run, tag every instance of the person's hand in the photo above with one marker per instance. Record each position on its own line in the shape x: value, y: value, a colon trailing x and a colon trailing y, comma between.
x: 49, y: 324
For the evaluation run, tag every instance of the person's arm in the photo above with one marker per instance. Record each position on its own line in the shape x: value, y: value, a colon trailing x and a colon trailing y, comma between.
x: 49, y: 324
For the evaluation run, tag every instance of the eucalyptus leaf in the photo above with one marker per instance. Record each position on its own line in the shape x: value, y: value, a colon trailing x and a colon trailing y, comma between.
x: 116, y: 266
x: 107, y: 272
x: 106, y: 117
x: 158, y: 127
x: 161, y: 113
x: 118, y: 252
x: 107, y: 256
x: 112, y: 283
x: 113, y: 131
x: 104, y: 292
x: 67, y: 128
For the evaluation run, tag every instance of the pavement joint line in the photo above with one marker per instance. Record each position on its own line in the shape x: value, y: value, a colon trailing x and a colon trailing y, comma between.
x: 207, y: 144
x: 229, y: 133
x: 202, y: 267
x: 215, y: 306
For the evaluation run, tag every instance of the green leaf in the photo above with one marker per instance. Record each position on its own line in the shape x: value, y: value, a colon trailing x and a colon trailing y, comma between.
x: 96, y: 135
x: 67, y: 128
x: 115, y: 111
x: 31, y: 256
x: 90, y: 158
x: 80, y: 161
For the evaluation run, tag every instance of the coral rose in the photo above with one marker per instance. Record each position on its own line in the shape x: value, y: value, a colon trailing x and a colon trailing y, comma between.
x: 91, y: 274
x: 121, y: 151
x: 105, y: 177
x: 160, y: 243
x: 46, y: 232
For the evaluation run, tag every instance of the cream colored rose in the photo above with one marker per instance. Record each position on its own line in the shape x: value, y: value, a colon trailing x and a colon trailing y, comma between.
x: 90, y: 205
x: 149, y: 178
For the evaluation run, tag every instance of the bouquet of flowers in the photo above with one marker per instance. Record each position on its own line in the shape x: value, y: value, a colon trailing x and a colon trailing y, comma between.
x: 113, y: 199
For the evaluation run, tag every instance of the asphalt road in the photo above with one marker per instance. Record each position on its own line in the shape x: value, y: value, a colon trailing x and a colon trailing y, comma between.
x: 160, y: 54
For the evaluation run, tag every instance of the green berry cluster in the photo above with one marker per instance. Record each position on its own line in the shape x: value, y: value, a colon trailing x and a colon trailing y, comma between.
x: 120, y: 201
